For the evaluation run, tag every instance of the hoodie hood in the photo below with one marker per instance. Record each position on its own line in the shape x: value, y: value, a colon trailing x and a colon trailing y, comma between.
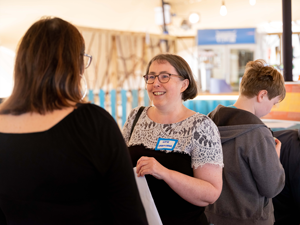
x: 233, y: 122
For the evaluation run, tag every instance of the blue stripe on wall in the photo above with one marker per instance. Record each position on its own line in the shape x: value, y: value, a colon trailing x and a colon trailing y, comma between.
x: 102, y: 98
x: 135, y: 98
x: 189, y: 104
x: 113, y: 101
x: 124, y: 105
x: 201, y: 106
x: 206, y: 106
x: 91, y: 96
x: 146, y: 98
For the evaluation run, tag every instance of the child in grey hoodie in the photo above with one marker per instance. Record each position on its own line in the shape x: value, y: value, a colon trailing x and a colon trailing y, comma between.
x: 252, y: 173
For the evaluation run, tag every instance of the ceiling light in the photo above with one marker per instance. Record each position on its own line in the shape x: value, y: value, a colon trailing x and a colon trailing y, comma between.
x: 223, y: 10
x: 194, y: 18
x: 252, y: 2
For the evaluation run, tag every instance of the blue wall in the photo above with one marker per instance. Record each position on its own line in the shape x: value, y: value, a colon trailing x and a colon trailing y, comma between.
x: 201, y: 106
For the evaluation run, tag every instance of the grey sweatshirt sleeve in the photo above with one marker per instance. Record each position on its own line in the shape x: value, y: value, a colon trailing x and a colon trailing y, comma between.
x: 265, y: 166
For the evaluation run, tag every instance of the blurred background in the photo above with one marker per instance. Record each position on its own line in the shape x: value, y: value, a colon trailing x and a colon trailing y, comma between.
x: 217, y: 38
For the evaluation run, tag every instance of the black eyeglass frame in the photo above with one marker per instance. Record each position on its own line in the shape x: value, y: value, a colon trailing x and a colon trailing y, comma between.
x: 90, y: 60
x: 158, y: 77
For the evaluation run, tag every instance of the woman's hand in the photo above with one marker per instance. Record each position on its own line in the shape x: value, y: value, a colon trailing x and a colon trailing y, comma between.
x: 277, y: 146
x: 202, y: 189
x: 149, y: 165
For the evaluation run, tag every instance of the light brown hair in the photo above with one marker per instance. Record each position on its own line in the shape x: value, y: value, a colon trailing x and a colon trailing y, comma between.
x: 260, y: 76
x: 183, y: 69
x: 47, y: 70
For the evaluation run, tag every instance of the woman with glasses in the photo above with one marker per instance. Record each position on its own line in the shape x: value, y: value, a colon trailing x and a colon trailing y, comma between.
x: 177, y: 149
x: 62, y: 161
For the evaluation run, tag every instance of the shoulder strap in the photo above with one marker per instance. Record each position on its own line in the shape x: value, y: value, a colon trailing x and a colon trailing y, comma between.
x: 136, y: 119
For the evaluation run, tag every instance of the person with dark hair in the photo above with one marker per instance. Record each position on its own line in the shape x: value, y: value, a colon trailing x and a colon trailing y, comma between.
x: 177, y: 149
x: 62, y: 161
x: 287, y: 202
x: 252, y: 173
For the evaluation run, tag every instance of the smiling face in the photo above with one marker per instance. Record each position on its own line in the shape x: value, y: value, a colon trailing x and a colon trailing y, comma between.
x: 165, y: 94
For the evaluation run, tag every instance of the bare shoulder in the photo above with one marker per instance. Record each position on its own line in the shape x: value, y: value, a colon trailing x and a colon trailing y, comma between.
x: 7, y: 122
x: 32, y: 122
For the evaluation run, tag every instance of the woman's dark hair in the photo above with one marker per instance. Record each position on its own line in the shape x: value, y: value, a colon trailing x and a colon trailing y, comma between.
x: 183, y: 69
x: 47, y: 70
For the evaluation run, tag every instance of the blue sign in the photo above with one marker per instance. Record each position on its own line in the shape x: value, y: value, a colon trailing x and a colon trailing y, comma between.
x: 226, y: 36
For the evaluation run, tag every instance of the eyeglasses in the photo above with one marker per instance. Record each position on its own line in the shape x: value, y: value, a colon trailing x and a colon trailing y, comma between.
x: 163, y: 78
x: 87, y: 60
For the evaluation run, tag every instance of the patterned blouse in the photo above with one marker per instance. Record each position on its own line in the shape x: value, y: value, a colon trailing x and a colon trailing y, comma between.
x: 197, y: 136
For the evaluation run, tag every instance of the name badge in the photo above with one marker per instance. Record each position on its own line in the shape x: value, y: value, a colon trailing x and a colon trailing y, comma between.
x: 166, y: 144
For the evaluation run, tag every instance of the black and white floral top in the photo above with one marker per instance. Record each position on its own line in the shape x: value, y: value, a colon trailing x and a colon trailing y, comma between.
x: 197, y: 136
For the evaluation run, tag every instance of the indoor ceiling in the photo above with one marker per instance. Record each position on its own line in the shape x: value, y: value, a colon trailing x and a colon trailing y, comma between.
x: 137, y: 15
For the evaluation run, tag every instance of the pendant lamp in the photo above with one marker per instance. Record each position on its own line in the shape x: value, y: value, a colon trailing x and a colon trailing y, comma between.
x: 252, y: 2
x: 223, y: 10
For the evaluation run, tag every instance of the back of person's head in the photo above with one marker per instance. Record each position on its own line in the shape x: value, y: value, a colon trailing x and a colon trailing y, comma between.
x: 260, y: 76
x: 47, y: 70
x: 183, y: 69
